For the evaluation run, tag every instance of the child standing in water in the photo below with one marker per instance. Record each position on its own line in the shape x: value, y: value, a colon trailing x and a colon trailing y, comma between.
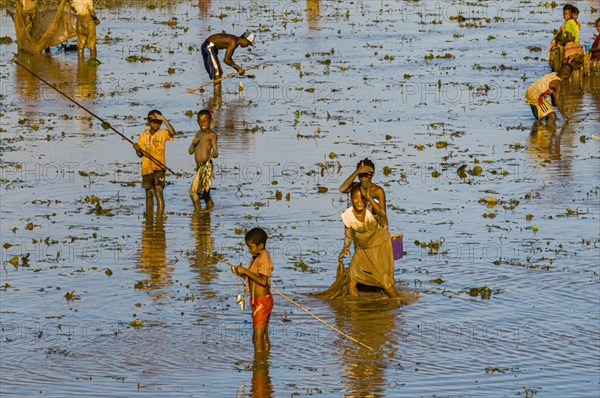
x: 85, y: 26
x: 203, y: 147
x: 258, y: 277
x: 153, y: 141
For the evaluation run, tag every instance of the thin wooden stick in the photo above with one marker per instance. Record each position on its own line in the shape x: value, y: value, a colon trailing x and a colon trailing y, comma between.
x: 191, y: 90
x: 104, y: 122
x: 319, y: 319
x: 301, y: 307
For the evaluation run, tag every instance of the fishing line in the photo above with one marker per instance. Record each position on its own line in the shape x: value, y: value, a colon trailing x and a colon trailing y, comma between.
x: 302, y: 308
x: 105, y: 124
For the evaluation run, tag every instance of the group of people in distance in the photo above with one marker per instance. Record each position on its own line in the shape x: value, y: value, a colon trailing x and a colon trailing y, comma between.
x: 566, y: 54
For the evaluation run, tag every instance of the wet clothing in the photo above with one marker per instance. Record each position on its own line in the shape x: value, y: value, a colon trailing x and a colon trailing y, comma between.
x: 154, y: 179
x: 154, y: 144
x: 261, y: 306
x: 202, y: 180
x: 86, y: 24
x: 373, y: 261
x: 573, y: 54
x: 261, y: 310
x: 542, y: 110
x: 536, y: 95
x: 86, y: 32
x: 210, y: 55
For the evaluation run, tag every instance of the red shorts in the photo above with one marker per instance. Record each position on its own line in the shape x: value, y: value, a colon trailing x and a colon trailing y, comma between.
x: 261, y: 309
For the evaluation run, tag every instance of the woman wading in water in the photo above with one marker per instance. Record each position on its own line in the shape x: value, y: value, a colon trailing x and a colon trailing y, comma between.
x: 373, y: 261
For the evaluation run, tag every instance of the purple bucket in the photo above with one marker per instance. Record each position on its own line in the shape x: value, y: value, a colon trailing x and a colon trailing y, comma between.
x: 397, y: 246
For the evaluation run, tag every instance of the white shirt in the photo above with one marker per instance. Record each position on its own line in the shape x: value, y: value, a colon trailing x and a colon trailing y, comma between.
x: 350, y: 220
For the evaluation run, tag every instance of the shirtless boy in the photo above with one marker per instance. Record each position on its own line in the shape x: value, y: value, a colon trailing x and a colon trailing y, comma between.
x: 203, y: 147
x: 258, y: 276
x: 223, y: 41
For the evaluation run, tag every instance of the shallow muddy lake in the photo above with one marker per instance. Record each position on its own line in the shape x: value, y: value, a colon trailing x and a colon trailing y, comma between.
x: 500, y: 218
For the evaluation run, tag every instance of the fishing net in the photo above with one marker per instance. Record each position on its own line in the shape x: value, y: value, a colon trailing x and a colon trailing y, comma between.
x: 48, y: 27
x: 339, y: 287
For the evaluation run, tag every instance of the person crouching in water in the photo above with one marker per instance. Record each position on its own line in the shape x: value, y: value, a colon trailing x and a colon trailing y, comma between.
x: 548, y: 85
x: 223, y: 41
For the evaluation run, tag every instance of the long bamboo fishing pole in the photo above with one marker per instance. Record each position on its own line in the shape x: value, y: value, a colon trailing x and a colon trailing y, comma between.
x: 104, y: 123
x: 301, y: 307
x: 191, y: 90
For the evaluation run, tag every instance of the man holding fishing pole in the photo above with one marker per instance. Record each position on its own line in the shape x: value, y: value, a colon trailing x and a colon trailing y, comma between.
x: 223, y: 41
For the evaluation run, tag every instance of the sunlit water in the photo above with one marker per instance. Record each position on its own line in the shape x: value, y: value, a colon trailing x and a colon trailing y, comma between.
x: 344, y: 81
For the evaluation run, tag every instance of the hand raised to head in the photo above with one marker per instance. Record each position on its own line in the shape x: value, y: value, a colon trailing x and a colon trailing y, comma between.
x: 364, y: 169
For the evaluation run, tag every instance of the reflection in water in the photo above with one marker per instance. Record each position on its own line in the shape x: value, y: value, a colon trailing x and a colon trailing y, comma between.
x: 373, y: 321
x: 229, y: 119
x: 201, y: 263
x: 153, y: 257
x: 261, y: 381
x: 213, y: 104
x: 204, y: 7
x: 544, y: 142
x: 77, y: 80
x: 572, y: 93
x: 312, y: 13
x: 546, y: 146
x: 86, y: 81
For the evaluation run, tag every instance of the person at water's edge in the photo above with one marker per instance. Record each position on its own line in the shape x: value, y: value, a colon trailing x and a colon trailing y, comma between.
x: 153, y: 141
x: 223, y: 41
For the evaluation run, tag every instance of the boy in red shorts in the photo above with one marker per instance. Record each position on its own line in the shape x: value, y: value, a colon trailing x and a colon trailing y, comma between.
x: 258, y: 277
